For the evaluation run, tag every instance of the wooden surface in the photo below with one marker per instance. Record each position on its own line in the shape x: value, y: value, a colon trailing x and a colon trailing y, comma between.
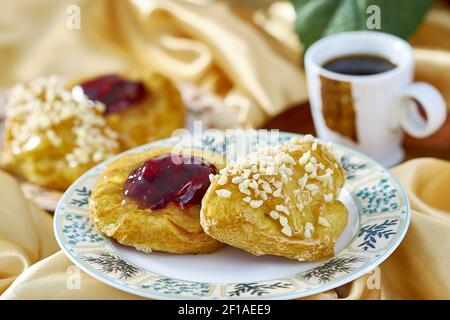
x: 299, y: 119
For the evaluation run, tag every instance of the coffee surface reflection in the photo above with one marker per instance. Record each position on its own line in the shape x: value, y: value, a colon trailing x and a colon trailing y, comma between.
x: 359, y: 65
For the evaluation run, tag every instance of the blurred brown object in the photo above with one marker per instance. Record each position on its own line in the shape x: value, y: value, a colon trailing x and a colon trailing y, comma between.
x: 432, y: 52
x: 338, y: 107
x: 297, y: 119
x: 433, y: 33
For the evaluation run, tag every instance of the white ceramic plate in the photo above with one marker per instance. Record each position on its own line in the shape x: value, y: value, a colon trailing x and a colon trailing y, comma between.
x: 379, y: 216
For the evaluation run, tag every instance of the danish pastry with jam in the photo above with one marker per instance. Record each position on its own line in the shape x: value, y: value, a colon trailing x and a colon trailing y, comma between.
x: 278, y: 201
x: 151, y: 200
x: 139, y: 107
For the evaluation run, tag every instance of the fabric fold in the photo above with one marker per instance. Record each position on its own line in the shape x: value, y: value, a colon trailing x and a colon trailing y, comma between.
x: 26, y: 233
x: 221, y: 50
x: 418, y: 269
x: 207, y: 44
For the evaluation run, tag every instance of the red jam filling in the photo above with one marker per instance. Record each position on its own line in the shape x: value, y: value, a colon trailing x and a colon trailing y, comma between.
x: 114, y: 91
x: 182, y: 180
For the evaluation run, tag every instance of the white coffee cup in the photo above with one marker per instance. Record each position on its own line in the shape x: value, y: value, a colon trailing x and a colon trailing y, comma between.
x: 370, y: 112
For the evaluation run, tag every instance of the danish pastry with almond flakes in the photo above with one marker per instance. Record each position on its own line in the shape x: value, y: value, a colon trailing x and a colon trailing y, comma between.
x: 279, y: 201
x: 50, y: 138
x: 55, y: 131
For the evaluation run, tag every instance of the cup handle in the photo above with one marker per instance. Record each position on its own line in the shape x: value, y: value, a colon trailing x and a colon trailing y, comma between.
x: 432, y: 102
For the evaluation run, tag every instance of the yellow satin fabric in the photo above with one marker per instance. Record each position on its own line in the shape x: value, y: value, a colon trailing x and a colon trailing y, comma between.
x: 218, y: 48
x: 212, y: 45
x: 418, y: 269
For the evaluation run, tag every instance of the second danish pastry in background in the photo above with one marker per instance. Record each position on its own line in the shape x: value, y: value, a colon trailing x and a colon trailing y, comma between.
x: 50, y: 137
x: 55, y: 131
x: 140, y: 106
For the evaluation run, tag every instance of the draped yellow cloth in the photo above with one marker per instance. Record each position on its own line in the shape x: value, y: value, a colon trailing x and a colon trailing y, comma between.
x: 219, y: 48
x: 31, y: 267
x: 211, y: 45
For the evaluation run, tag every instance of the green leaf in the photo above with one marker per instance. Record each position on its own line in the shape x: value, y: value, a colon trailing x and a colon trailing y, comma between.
x: 318, y: 18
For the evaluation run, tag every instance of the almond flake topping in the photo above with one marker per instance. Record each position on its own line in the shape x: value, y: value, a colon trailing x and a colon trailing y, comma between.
x: 310, y: 167
x: 223, y: 193
x: 278, y: 184
x: 253, y: 184
x: 261, y: 176
x: 237, y: 180
x: 266, y: 187
x: 41, y: 105
x: 309, y: 226
x: 307, y: 233
x: 222, y: 180
x: 283, y: 221
x: 305, y: 158
x: 287, y: 231
x: 309, y: 230
x: 274, y: 215
x: 294, y: 147
x: 263, y: 195
x: 312, y: 187
x: 244, y: 189
x: 302, y: 181
x: 325, y: 177
x: 324, y: 222
x: 256, y: 203
x: 282, y: 208
x: 277, y: 193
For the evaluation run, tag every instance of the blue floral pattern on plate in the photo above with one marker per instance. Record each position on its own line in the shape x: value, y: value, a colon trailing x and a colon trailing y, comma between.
x: 329, y: 270
x: 379, y: 197
x: 258, y: 289
x: 383, y: 210
x: 371, y: 233
x: 110, y: 263
x: 80, y: 197
x: 352, y: 168
x: 172, y: 286
x: 77, y: 230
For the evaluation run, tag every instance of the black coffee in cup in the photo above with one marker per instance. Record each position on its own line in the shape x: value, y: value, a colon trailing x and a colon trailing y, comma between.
x: 359, y: 65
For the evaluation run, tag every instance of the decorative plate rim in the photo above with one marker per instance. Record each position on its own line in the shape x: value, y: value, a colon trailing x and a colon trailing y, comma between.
x: 372, y: 262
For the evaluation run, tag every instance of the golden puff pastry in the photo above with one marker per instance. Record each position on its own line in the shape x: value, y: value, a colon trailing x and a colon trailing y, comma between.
x: 149, y: 106
x: 279, y: 201
x: 50, y: 137
x: 145, y: 201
